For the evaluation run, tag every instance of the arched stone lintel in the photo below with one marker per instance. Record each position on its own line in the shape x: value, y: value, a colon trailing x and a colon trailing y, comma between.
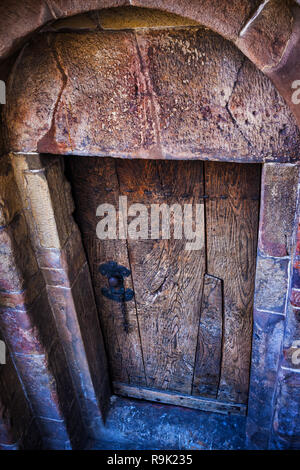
x: 162, y: 94
x: 266, y: 31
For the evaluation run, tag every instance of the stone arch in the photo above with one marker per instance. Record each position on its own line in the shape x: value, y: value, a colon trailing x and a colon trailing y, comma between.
x: 267, y: 32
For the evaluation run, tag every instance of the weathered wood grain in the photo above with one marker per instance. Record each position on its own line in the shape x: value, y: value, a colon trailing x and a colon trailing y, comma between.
x: 167, y: 278
x: 232, y: 223
x: 209, y: 347
x: 94, y: 183
x: 172, y: 398
x: 162, y: 350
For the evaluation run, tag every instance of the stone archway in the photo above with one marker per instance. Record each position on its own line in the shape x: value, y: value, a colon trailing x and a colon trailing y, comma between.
x: 249, y: 25
x: 275, y: 24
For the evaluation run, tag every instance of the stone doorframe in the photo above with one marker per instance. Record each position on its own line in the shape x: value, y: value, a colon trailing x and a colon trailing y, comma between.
x: 47, y: 311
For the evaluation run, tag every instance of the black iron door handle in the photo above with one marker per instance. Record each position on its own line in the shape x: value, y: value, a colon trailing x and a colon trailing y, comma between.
x: 116, y: 291
x: 115, y: 275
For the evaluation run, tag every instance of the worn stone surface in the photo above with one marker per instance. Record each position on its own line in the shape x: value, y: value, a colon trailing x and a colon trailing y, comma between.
x: 41, y: 393
x: 120, y: 18
x: 61, y: 267
x: 274, y: 23
x: 295, y: 298
x: 286, y: 425
x: 286, y: 74
x: 57, y: 367
x: 264, y: 39
x: 76, y: 317
x: 73, y: 337
x: 271, y: 284
x: 259, y: 113
x: 278, y: 206
x: 297, y: 248
x: 18, y: 263
x: 10, y: 201
x: 266, y: 348
x: 227, y: 18
x: 84, y: 301
x: 84, y: 22
x: 296, y: 275
x: 25, y: 314
x: 295, y: 284
x: 135, y: 100
x: 47, y: 199
x: 21, y: 19
x: 134, y: 17
x: 140, y: 425
x: 7, y: 441
x: 24, y: 430
x: 291, y: 348
x: 20, y: 331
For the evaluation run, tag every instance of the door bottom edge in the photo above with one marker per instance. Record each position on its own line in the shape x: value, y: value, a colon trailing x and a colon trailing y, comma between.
x: 179, y: 399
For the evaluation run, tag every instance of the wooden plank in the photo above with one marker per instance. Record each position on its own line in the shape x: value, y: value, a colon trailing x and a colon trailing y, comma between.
x: 209, y: 348
x: 94, y: 182
x: 232, y: 224
x: 167, y: 277
x: 172, y: 398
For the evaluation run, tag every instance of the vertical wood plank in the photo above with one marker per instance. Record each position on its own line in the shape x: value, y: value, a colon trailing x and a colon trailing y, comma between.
x: 209, y: 347
x: 232, y: 223
x: 94, y: 182
x: 167, y: 277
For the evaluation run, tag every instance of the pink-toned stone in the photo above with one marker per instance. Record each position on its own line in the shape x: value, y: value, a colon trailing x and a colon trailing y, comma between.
x: 295, y: 298
x: 134, y: 99
x: 18, y: 410
x: 278, y: 206
x: 286, y: 424
x: 265, y: 37
x: 271, y: 283
x: 227, y: 18
x: 287, y: 72
x: 18, y: 263
x: 61, y: 267
x: 297, y: 252
x: 10, y: 202
x: 42, y: 393
x: 76, y: 316
x: 6, y: 436
x: 291, y: 346
x: 56, y: 314
x: 19, y: 19
x: 270, y: 26
x: 17, y: 326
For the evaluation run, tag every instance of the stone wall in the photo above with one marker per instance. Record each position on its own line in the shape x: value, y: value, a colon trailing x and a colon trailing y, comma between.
x: 279, y: 198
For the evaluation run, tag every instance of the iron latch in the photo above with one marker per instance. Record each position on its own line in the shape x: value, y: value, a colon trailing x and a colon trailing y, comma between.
x: 116, y: 291
x: 115, y: 275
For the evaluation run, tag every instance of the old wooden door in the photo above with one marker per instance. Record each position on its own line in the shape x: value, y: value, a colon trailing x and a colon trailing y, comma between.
x: 188, y: 339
